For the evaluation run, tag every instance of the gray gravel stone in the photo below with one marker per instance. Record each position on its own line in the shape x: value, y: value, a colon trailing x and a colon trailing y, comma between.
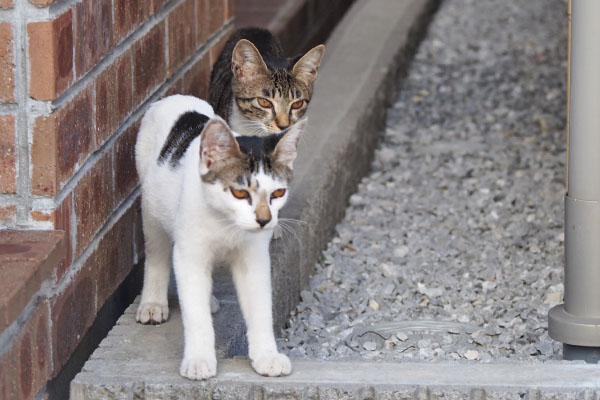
x: 461, y: 219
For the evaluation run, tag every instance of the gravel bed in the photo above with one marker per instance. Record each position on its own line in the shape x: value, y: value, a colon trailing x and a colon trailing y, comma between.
x: 452, y: 248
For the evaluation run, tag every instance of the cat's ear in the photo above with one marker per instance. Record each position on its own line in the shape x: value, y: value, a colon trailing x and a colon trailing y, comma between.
x: 217, y: 144
x: 246, y: 61
x: 287, y: 148
x: 307, y: 67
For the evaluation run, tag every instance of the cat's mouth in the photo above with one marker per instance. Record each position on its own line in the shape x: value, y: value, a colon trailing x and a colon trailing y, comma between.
x: 255, y: 228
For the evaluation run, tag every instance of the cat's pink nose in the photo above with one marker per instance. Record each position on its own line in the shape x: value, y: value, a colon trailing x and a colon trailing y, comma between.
x: 263, y: 222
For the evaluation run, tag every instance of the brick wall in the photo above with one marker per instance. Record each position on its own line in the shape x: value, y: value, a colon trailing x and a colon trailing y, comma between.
x: 75, y: 79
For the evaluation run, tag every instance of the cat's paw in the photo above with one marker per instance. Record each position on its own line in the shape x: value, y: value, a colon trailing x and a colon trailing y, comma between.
x: 272, y: 364
x: 152, y: 313
x: 198, y: 368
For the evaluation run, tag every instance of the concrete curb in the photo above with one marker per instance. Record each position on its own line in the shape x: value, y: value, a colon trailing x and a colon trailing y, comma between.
x: 366, y: 55
x: 142, y: 362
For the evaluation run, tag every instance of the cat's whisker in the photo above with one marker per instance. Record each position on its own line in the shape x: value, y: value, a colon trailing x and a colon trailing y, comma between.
x: 286, y: 229
x: 253, y: 127
x: 299, y: 221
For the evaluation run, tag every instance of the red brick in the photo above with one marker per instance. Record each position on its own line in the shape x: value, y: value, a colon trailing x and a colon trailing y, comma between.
x: 74, y: 133
x: 129, y: 14
x: 216, y: 49
x: 9, y: 159
x: 157, y: 5
x: 6, y: 4
x: 60, y: 141
x: 8, y: 215
x: 182, y: 35
x: 93, y: 201
x: 175, y: 88
x: 126, y: 178
x: 63, y: 222
x: 195, y: 81
x: 9, y: 376
x: 44, y: 175
x: 113, y: 258
x: 42, y: 3
x: 216, y: 16
x: 229, y: 10
x: 60, y: 219
x: 93, y: 33
x: 27, y: 258
x: 72, y: 312
x: 149, y: 67
x: 7, y: 63
x: 25, y: 367
x: 50, y: 56
x: 114, y: 99
x: 202, y: 21
x: 41, y: 215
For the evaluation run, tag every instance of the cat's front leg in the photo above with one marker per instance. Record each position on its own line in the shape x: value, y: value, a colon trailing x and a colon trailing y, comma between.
x: 252, y: 277
x: 194, y: 284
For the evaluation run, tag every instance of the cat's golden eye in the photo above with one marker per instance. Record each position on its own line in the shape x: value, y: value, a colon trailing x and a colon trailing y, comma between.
x: 277, y: 193
x: 264, y: 102
x: 297, y: 104
x: 240, y: 193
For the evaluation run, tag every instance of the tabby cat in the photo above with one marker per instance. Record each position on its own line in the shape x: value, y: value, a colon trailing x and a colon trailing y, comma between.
x: 209, y: 196
x: 258, y: 90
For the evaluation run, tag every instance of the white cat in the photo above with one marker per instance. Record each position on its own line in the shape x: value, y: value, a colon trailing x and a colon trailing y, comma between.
x: 210, y: 198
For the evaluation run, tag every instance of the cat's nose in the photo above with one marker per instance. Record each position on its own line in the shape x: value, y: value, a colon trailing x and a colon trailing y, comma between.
x: 282, y: 126
x: 262, y: 222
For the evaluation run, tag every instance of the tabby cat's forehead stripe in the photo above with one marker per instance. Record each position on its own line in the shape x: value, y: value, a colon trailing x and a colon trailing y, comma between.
x: 184, y: 131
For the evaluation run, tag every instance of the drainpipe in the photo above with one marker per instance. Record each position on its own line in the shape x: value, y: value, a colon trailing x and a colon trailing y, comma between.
x: 576, y: 323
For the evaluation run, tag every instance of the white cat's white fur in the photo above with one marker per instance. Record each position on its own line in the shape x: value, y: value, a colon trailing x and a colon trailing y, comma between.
x: 197, y: 224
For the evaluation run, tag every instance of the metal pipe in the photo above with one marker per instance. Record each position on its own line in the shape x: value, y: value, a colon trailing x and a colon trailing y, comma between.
x: 576, y: 323
x: 584, y: 139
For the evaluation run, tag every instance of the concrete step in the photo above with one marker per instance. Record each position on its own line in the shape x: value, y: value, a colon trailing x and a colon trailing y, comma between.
x: 142, y: 362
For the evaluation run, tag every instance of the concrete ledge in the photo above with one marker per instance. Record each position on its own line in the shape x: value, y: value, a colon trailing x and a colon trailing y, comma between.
x: 366, y: 55
x: 27, y: 259
x: 142, y: 362
x: 321, y: 380
x: 302, y: 24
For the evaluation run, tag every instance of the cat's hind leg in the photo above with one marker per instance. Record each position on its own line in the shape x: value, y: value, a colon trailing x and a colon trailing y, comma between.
x: 252, y: 277
x: 154, y: 308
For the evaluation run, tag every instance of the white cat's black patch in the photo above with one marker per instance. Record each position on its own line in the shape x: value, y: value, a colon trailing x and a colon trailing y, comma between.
x: 186, y: 129
x: 259, y: 150
x: 256, y: 153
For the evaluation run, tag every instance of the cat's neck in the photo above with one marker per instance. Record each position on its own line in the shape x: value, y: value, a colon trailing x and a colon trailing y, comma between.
x: 244, y: 126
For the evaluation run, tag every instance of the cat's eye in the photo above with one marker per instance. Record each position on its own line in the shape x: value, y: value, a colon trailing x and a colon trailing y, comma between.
x: 297, y: 104
x: 264, y: 102
x: 277, y: 193
x: 240, y: 193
